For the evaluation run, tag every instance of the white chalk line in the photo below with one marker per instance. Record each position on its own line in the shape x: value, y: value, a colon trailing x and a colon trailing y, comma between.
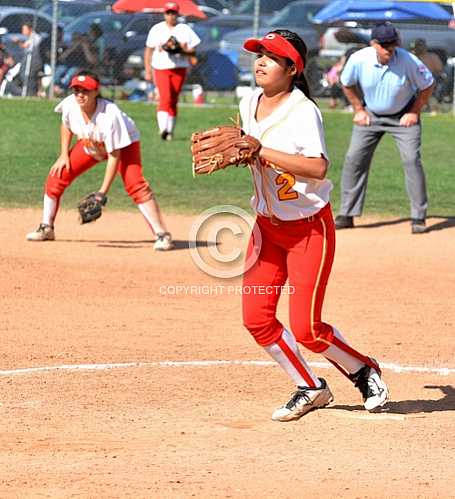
x: 441, y: 371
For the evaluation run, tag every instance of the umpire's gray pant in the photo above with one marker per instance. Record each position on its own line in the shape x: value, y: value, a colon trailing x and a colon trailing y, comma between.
x: 358, y: 159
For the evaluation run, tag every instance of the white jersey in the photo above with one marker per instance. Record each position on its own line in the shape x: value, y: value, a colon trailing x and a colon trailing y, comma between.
x: 108, y: 130
x: 159, y: 35
x: 294, y: 128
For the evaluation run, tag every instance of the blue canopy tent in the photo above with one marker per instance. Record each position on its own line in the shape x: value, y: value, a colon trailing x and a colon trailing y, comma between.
x: 367, y: 10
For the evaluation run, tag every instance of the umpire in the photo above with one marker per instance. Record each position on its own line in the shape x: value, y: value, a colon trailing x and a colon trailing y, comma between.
x: 387, y: 88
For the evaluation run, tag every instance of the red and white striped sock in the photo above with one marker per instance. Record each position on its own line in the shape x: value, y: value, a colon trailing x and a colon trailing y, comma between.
x: 286, y: 352
x: 342, y: 357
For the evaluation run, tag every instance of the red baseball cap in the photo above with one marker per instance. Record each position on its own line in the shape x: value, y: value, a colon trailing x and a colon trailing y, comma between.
x: 84, y: 81
x: 171, y: 6
x: 278, y: 45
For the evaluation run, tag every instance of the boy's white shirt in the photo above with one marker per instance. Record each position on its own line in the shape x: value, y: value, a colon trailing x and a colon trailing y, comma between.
x: 295, y: 128
x: 159, y: 34
x: 109, y: 129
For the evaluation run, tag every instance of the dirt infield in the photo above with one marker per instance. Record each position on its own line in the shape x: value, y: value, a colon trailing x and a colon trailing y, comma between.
x: 130, y: 413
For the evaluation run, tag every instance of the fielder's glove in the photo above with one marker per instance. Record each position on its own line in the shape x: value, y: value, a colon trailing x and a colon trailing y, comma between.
x: 172, y: 46
x: 217, y: 148
x: 90, y: 207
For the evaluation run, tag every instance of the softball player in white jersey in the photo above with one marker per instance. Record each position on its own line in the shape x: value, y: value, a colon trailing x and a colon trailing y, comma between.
x: 168, y: 71
x: 298, y: 235
x: 103, y: 132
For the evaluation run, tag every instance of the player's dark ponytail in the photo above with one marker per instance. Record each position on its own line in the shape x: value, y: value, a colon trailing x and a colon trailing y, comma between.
x: 299, y: 80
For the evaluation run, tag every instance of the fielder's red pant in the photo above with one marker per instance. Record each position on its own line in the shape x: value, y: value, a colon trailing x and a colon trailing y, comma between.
x: 130, y: 168
x: 169, y: 83
x: 302, y: 251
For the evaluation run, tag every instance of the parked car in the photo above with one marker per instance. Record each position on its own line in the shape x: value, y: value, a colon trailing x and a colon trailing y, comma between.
x: 11, y: 21
x: 30, y: 4
x: 211, y: 64
x: 265, y: 6
x: 213, y: 30
x: 439, y: 37
x: 213, y: 71
x: 123, y: 34
x: 220, y: 5
x: 296, y: 16
x: 69, y: 10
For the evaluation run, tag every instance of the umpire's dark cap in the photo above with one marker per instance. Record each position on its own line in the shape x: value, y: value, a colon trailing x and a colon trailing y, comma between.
x: 384, y: 33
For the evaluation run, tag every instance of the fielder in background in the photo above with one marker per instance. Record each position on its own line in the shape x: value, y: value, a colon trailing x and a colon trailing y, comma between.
x: 103, y: 132
x: 395, y: 85
x: 167, y: 54
x: 298, y: 233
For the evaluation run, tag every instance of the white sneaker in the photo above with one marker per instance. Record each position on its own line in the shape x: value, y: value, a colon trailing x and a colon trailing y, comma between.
x: 43, y: 233
x: 163, y: 242
x: 169, y: 136
x: 373, y: 389
x: 304, y: 400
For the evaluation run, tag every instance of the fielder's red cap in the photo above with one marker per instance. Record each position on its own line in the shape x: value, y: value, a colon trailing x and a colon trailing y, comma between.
x: 84, y: 81
x: 171, y: 6
x: 278, y: 45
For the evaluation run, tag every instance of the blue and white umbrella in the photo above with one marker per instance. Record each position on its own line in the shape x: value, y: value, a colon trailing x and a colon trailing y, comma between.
x: 367, y: 10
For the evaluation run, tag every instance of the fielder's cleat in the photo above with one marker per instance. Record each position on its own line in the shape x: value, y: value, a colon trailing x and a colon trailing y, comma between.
x: 374, y: 391
x: 169, y: 136
x: 304, y: 400
x: 418, y: 226
x: 164, y: 134
x: 163, y: 242
x: 344, y: 222
x: 43, y: 233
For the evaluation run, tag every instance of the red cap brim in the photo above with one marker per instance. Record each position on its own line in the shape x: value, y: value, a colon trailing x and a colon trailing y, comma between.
x: 277, y: 45
x: 86, y: 82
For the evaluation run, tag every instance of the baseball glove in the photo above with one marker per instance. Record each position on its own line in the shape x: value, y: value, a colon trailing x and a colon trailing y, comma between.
x: 90, y: 207
x: 217, y: 148
x: 172, y: 46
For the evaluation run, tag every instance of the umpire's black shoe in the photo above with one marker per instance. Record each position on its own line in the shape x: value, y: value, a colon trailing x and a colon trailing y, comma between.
x: 344, y: 222
x: 418, y: 226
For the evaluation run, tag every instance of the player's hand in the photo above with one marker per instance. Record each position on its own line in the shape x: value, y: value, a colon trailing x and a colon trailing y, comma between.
x: 362, y: 118
x: 409, y: 119
x: 62, y: 163
x: 149, y: 76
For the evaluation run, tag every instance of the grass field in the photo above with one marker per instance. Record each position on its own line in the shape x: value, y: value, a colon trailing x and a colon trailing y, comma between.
x: 29, y: 144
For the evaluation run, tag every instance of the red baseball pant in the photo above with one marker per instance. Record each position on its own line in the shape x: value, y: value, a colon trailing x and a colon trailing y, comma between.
x: 129, y: 167
x: 301, y: 251
x: 169, y: 83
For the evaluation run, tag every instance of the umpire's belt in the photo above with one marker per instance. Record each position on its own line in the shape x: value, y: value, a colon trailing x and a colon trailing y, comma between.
x: 398, y: 115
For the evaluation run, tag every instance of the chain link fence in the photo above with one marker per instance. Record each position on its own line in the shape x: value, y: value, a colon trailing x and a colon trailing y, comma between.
x: 43, y: 43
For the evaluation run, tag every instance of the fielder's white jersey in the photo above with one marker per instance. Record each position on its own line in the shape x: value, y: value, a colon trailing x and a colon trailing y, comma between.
x: 108, y: 130
x: 159, y: 34
x: 294, y: 128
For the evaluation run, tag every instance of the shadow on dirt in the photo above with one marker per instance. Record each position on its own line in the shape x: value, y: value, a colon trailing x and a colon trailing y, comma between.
x: 435, y: 222
x: 179, y: 244
x: 446, y: 403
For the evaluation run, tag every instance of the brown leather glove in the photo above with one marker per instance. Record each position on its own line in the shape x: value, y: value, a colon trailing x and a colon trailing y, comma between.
x: 219, y: 147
